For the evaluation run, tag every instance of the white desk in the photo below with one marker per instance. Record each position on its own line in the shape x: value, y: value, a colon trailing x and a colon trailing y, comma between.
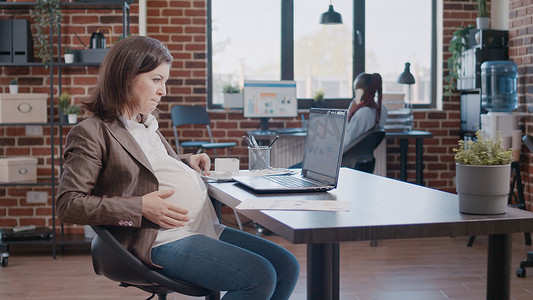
x: 382, y: 208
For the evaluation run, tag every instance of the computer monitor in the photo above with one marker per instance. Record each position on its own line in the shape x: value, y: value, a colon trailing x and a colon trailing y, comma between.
x: 266, y: 99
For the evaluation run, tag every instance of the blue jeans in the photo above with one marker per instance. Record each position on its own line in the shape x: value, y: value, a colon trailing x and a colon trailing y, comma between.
x: 246, y: 266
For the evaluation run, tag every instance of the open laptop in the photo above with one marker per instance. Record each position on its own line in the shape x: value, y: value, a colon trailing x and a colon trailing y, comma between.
x: 322, y: 157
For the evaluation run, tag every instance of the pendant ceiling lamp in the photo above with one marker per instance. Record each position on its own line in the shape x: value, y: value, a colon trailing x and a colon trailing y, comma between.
x: 331, y: 16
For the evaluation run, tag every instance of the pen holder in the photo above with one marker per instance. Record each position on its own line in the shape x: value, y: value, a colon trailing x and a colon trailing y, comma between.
x: 258, y: 158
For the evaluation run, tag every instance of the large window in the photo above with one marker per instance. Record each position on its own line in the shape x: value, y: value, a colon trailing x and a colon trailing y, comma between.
x: 282, y: 39
x: 245, y: 43
x: 323, y: 53
x: 398, y: 32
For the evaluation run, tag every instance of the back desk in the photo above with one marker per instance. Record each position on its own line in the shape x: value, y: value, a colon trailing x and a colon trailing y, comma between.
x: 288, y: 149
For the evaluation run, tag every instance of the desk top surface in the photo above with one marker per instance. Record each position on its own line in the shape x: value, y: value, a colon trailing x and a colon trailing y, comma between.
x: 303, y: 132
x: 409, y: 134
x: 382, y: 208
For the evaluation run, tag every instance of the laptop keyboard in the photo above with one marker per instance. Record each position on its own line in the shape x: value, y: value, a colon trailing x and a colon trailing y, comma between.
x: 290, y: 181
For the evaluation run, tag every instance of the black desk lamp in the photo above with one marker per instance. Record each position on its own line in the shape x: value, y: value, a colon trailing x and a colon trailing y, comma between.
x: 331, y: 16
x: 407, y: 78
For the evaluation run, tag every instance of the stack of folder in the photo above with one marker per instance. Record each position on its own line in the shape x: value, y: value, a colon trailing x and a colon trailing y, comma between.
x: 399, y: 117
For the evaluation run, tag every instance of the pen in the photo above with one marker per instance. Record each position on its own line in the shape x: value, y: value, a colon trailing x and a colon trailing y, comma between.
x: 247, y: 141
x: 270, y: 145
x: 254, y: 142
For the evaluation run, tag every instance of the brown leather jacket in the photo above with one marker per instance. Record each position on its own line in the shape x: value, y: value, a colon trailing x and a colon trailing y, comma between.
x: 105, y: 175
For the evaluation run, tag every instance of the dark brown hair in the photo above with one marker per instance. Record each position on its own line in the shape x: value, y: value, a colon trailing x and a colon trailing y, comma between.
x: 130, y: 57
x: 372, y: 85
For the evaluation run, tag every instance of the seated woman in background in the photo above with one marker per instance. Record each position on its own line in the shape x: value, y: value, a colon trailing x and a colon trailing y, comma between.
x: 364, y: 114
x: 121, y: 173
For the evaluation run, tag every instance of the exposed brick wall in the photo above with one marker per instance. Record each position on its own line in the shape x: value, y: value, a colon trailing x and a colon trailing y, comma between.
x: 521, y: 52
x: 181, y: 26
x: 439, y: 164
x: 14, y: 210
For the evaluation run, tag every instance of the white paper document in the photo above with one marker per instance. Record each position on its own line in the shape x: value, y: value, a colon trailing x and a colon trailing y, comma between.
x: 321, y: 205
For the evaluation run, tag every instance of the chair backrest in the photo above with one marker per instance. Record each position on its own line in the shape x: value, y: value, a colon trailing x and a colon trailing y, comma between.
x: 114, y: 262
x: 186, y: 115
x: 362, y: 148
x: 189, y: 114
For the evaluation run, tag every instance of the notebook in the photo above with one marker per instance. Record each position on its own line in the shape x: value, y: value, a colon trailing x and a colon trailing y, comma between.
x: 322, y: 157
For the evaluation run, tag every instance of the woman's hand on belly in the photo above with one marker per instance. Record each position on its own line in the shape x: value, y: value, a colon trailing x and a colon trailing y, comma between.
x: 161, y: 212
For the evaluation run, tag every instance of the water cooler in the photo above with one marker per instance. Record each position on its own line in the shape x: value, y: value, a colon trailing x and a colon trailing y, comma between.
x: 499, y: 97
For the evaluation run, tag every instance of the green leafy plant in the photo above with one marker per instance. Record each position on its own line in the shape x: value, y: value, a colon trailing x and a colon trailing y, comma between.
x: 482, y: 11
x: 458, y: 44
x: 68, y: 51
x: 64, y: 102
x: 46, y: 14
x: 231, y: 89
x: 482, y: 151
x: 73, y: 110
x: 13, y: 82
x: 319, y: 96
x: 121, y: 37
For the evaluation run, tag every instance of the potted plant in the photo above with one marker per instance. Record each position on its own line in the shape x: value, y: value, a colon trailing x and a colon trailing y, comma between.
x: 72, y: 112
x: 13, y: 86
x: 46, y: 14
x: 233, y: 97
x: 69, y: 56
x: 482, y: 20
x: 483, y: 174
x: 64, y: 102
x: 458, y: 44
x: 318, y: 99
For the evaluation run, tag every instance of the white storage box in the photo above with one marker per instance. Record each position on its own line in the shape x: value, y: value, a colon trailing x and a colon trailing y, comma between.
x: 18, y: 169
x: 23, y: 108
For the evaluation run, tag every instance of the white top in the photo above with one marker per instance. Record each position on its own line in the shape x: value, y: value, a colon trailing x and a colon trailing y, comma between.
x: 362, y: 121
x: 190, y: 190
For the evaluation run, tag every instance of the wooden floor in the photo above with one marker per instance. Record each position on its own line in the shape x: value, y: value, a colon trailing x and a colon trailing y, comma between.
x: 435, y: 268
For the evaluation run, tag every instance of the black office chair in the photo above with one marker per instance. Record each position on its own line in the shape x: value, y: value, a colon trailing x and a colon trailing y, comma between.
x: 116, y: 263
x: 190, y: 115
x: 359, y: 154
x: 528, y: 263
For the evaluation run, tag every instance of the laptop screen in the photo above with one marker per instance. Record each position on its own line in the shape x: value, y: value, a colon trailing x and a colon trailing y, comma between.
x: 324, y: 143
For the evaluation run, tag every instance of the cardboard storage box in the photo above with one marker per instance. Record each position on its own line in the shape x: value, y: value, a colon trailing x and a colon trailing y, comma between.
x: 18, y: 169
x: 23, y: 108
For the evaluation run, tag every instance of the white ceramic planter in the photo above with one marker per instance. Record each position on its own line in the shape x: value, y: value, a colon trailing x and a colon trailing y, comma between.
x: 483, y: 190
x: 233, y: 100
x: 72, y: 118
x: 482, y: 23
x: 13, y: 88
x: 69, y: 58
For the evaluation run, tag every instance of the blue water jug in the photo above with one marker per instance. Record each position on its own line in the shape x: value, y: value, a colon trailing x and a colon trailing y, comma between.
x: 498, y: 86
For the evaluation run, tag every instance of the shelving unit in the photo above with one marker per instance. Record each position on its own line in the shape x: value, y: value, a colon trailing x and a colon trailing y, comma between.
x: 484, y: 45
x: 62, y: 239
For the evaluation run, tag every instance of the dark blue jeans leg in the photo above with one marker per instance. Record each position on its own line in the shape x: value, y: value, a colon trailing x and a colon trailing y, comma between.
x: 246, y: 266
x: 285, y: 264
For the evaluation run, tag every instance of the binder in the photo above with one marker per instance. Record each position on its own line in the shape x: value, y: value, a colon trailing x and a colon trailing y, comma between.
x: 6, y: 41
x: 22, y: 41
